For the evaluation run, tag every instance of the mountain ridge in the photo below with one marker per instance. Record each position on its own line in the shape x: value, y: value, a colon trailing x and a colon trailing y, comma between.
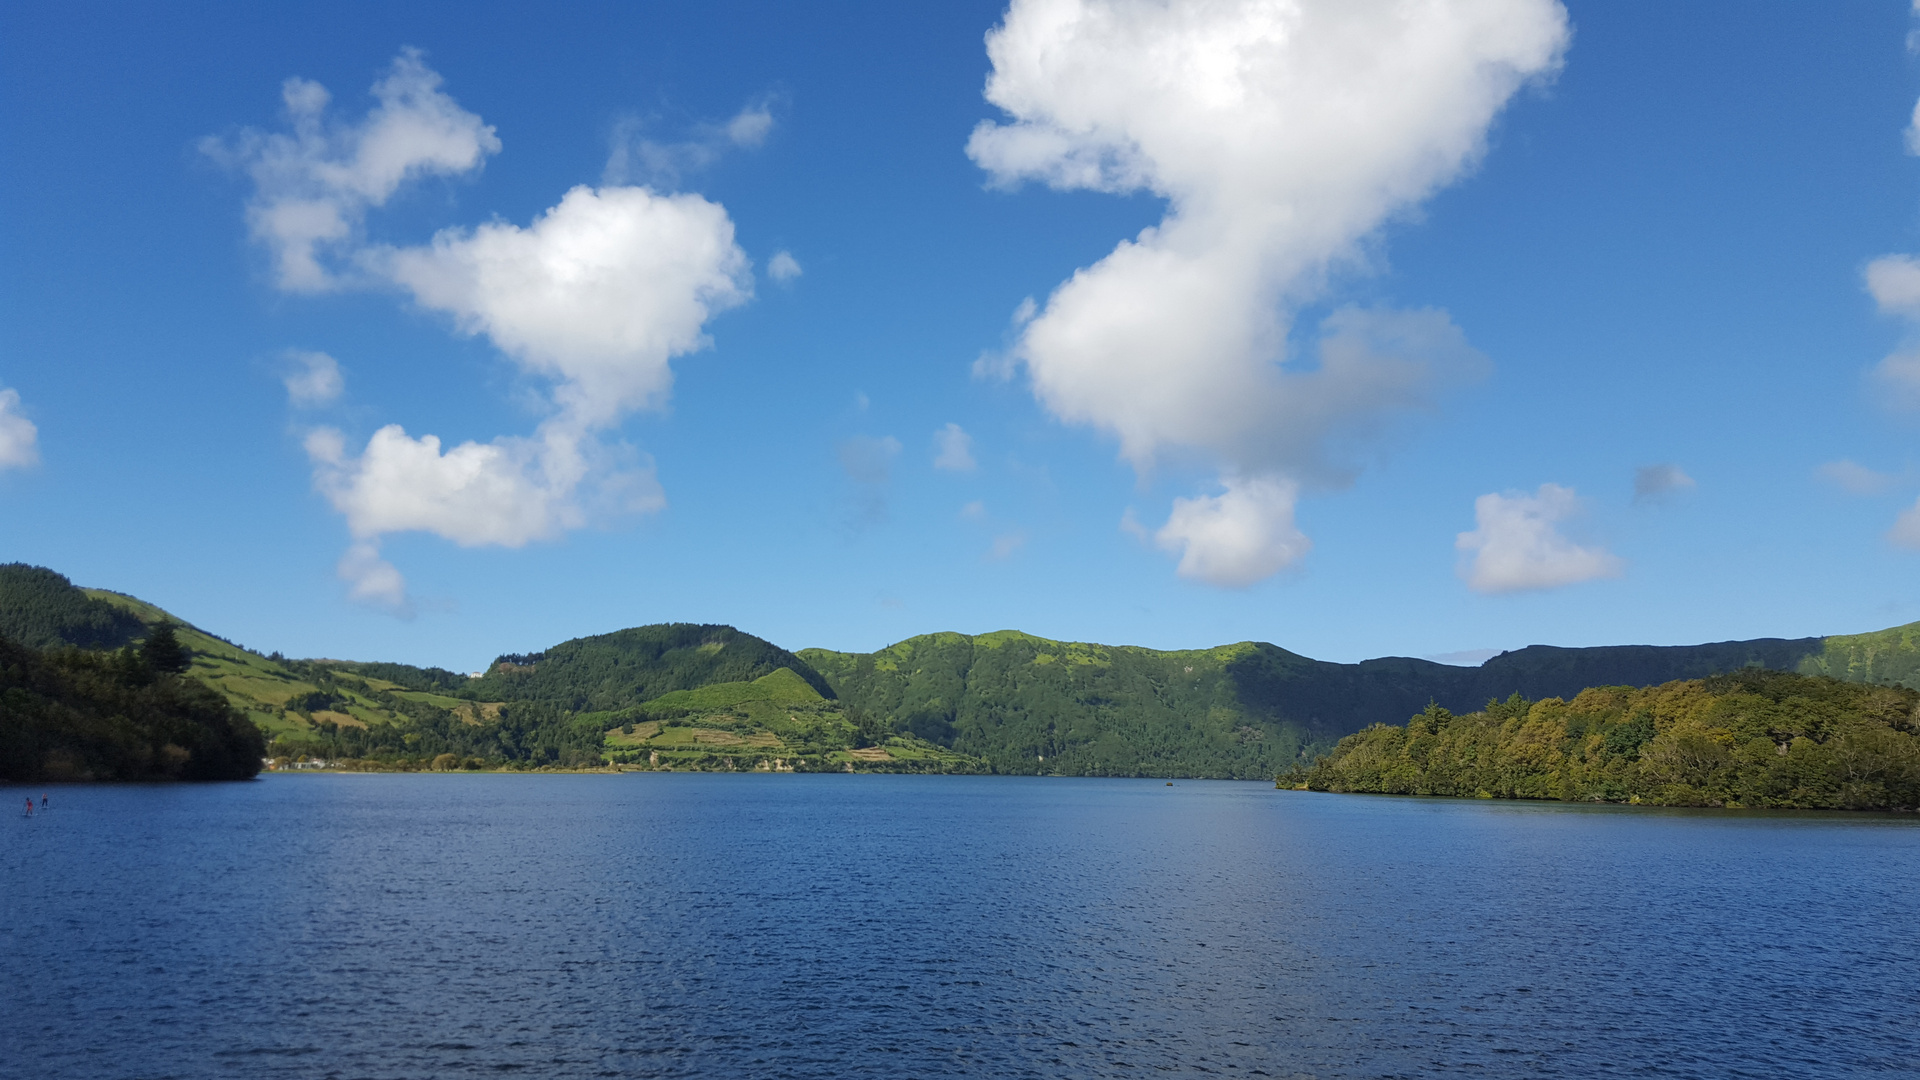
x: 1005, y: 701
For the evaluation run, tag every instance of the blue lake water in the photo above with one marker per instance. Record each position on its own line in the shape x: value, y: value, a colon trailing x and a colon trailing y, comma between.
x: 848, y: 926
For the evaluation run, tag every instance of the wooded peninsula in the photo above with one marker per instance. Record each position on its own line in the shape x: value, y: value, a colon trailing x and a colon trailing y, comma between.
x: 1749, y: 738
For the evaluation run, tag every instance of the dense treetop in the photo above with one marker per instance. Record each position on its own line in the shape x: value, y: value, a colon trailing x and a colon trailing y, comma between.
x: 68, y: 714
x: 41, y: 609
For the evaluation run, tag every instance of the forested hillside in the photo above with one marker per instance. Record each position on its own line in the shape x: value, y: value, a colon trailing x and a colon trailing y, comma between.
x: 1029, y: 704
x: 687, y: 695
x: 1752, y: 738
x: 613, y: 671
x: 69, y: 714
x: 41, y: 609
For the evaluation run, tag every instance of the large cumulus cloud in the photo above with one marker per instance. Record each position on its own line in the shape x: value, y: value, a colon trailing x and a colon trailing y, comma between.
x: 1282, y: 134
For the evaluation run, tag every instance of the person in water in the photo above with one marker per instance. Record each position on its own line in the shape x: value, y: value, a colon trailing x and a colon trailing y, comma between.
x: 43, y: 800
x: 29, y: 806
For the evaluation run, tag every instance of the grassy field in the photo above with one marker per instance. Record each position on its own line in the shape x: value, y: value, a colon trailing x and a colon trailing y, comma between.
x: 777, y: 721
x: 269, y: 692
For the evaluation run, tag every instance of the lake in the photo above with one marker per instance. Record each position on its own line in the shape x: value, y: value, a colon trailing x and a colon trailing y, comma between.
x: 847, y: 926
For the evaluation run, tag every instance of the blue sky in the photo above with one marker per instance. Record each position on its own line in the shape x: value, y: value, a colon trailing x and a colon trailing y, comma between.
x: 1556, y: 249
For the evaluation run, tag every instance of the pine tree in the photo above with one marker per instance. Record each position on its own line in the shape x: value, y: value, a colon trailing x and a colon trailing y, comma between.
x: 163, y: 652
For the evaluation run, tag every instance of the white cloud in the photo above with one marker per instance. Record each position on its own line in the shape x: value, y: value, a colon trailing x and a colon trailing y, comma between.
x: 783, y: 267
x: 1896, y: 379
x: 637, y: 159
x: 1654, y: 482
x: 19, y: 439
x: 974, y: 511
x: 953, y: 449
x: 1894, y: 283
x: 507, y: 492
x: 1906, y: 528
x: 1856, y: 479
x: 1006, y: 544
x: 1518, y: 545
x: 314, y: 185
x: 374, y: 581
x: 1282, y: 135
x: 1237, y: 537
x: 867, y: 460
x: 598, y: 293
x: 313, y: 379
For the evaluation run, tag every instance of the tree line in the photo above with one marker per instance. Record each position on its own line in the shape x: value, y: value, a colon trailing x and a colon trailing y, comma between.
x: 127, y: 714
x: 1750, y: 738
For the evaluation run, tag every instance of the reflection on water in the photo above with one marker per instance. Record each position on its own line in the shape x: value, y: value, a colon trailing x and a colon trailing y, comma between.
x: 831, y: 926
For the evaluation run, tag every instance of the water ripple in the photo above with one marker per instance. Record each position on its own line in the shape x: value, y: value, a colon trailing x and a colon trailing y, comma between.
x: 822, y: 926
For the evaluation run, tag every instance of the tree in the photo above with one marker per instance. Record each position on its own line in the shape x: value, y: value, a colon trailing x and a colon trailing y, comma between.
x: 163, y: 652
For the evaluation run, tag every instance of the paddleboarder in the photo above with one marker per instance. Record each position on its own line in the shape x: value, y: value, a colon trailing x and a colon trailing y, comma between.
x: 29, y: 806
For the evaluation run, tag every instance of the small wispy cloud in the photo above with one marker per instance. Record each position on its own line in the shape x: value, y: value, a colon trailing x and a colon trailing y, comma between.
x: 868, y: 462
x: 313, y: 379
x: 19, y: 438
x: 1652, y: 483
x: 637, y: 159
x: 373, y: 581
x: 953, y: 449
x: 1856, y: 479
x: 1006, y: 544
x: 314, y: 184
x: 783, y: 267
x: 1894, y: 283
x: 1906, y: 529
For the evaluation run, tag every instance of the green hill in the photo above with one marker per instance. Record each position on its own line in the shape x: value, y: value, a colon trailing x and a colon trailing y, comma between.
x: 778, y: 721
x: 304, y: 707
x: 1753, y: 738
x: 1032, y: 705
x: 1887, y: 657
x: 627, y: 667
x: 1009, y: 702
x: 283, y: 697
x: 42, y: 610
